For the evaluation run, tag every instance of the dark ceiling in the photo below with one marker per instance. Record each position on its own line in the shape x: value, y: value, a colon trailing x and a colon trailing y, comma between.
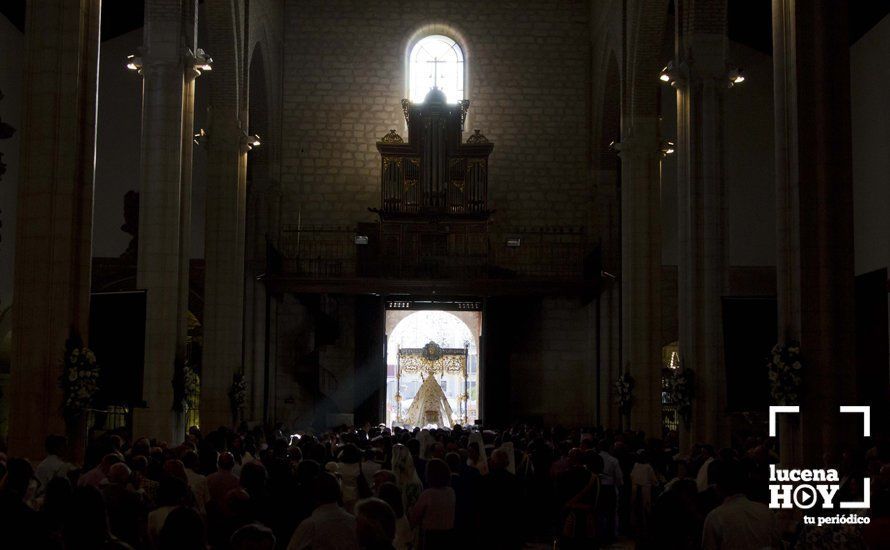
x: 118, y: 16
x: 749, y: 20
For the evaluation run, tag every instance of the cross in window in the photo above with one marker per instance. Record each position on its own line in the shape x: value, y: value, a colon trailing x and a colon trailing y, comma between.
x: 435, y: 63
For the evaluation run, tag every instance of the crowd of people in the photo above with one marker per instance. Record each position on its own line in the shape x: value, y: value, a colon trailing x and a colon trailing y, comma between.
x: 380, y: 488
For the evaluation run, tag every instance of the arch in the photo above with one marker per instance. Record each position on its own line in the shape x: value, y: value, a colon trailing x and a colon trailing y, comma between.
x: 258, y: 109
x: 449, y: 330
x: 646, y: 28
x: 437, y: 29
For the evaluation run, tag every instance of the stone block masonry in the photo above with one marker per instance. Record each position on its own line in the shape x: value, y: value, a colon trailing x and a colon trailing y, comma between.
x: 528, y: 83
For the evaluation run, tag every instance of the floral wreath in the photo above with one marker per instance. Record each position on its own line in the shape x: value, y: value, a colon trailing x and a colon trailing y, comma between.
x: 624, y: 388
x: 79, y: 380
x: 785, y: 373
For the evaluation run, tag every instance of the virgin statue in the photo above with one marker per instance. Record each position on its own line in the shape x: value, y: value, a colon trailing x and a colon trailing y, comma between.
x: 430, y: 406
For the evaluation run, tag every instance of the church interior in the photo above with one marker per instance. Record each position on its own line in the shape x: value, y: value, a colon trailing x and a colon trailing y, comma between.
x: 561, y: 223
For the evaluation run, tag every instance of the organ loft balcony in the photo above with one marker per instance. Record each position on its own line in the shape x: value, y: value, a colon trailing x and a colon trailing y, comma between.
x: 434, y: 229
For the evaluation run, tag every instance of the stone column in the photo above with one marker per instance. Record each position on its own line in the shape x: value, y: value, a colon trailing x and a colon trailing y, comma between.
x: 609, y: 300
x: 701, y: 200
x: 814, y: 207
x: 263, y: 198
x: 640, y: 155
x: 55, y: 211
x: 224, y: 260
x: 167, y: 108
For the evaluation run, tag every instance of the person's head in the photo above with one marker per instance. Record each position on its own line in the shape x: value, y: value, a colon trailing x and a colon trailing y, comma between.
x: 381, y: 477
x: 593, y: 461
x: 453, y: 461
x: 326, y: 489
x: 682, y: 469
x: 350, y: 454
x: 729, y: 476
x: 307, y: 471
x: 18, y: 479
x: 226, y: 462
x: 437, y: 450
x: 191, y: 461
x: 175, y: 468
x: 499, y: 459
x: 171, y: 491
x: 253, y: 478
x: 413, y: 446
x: 139, y: 464
x: 375, y: 523
x: 57, y: 497
x: 86, y: 524
x: 253, y: 536
x: 56, y: 445
x: 119, y: 474
x: 108, y: 461
x: 183, y: 530
x: 391, y: 494
x: 707, y: 451
x: 438, y: 474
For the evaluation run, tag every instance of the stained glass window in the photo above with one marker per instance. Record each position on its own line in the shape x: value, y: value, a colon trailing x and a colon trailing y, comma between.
x: 436, y: 60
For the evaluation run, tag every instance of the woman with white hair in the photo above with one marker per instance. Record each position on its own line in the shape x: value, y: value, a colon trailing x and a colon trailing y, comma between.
x: 406, y: 475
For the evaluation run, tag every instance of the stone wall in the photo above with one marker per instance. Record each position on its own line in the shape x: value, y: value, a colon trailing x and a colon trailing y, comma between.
x: 553, y: 367
x: 528, y: 83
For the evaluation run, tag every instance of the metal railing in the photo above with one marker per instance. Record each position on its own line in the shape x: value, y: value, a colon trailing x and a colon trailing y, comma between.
x: 527, y: 253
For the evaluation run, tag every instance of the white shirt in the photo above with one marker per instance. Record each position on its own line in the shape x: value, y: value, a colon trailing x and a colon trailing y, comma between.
x: 51, y: 467
x: 612, y: 474
x: 701, y: 479
x: 198, y: 484
x: 156, y: 519
x: 643, y: 475
x: 328, y: 528
x: 740, y: 524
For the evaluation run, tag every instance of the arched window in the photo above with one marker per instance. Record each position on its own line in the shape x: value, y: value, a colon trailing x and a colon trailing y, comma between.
x: 436, y: 60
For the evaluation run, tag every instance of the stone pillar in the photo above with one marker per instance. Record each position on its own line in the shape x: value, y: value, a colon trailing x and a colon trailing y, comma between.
x: 814, y: 207
x: 224, y: 260
x: 701, y: 200
x: 55, y: 211
x: 609, y: 300
x: 263, y: 198
x: 640, y: 155
x: 164, y: 205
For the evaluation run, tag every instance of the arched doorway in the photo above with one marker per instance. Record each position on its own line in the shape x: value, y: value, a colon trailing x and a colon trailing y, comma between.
x: 415, y: 329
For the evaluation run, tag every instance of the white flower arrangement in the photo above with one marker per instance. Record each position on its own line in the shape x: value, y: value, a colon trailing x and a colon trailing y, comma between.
x: 681, y: 388
x: 80, y: 378
x: 785, y: 374
x: 624, y: 388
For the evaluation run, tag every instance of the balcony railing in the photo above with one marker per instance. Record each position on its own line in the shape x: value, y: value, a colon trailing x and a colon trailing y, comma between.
x: 542, y: 253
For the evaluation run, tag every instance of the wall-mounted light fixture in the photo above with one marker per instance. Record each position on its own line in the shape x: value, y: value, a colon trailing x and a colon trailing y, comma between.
x: 735, y: 76
x: 666, y: 75
x: 200, y: 137
x: 667, y: 147
x: 203, y: 62
x: 513, y: 242
x: 250, y: 142
x: 673, y: 74
x: 361, y: 239
x: 134, y: 63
